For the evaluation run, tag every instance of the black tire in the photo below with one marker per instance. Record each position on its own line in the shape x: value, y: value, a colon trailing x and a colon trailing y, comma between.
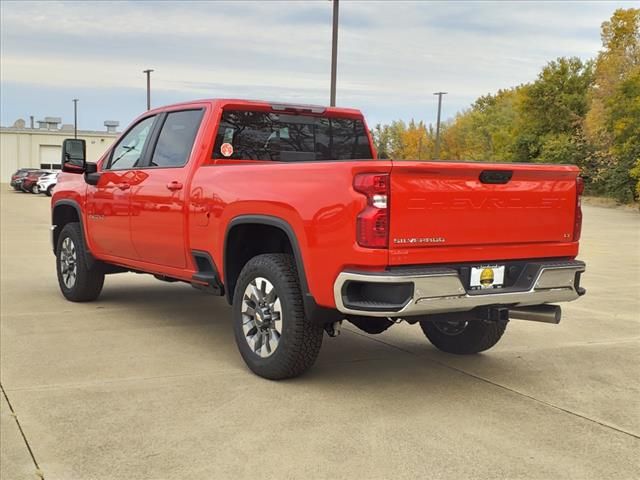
x: 49, y: 191
x: 299, y: 341
x: 88, y: 282
x: 463, y: 338
x: 34, y: 189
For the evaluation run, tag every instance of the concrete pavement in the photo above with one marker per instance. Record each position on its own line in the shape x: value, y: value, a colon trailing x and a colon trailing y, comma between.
x: 147, y: 383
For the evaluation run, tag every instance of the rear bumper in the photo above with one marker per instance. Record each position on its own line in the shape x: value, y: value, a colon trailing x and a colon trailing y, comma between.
x: 431, y: 290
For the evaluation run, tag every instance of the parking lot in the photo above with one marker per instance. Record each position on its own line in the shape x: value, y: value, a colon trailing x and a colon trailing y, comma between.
x: 147, y: 382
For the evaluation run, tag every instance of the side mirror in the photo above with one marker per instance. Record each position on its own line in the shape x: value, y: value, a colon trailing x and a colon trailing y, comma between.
x: 74, y: 155
x: 91, y: 174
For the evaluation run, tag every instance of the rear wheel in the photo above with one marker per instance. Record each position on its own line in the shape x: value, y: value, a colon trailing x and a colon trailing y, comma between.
x: 273, y: 335
x: 463, y: 337
x: 50, y: 190
x: 35, y: 189
x: 78, y: 282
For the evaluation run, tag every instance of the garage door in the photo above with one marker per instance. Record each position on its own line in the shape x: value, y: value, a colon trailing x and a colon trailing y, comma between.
x: 50, y: 156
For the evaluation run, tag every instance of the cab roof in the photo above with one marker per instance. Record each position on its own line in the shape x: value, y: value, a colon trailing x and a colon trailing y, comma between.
x: 274, y: 105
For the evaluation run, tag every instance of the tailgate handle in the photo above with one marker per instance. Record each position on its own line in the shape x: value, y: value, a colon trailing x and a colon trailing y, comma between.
x: 496, y: 176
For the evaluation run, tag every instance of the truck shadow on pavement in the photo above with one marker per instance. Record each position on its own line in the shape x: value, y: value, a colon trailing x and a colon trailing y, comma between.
x: 202, y: 324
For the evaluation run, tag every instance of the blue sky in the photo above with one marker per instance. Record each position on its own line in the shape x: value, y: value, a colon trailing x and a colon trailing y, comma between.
x: 392, y: 55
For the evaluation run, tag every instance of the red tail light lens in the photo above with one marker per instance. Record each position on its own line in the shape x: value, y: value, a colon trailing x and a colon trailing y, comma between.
x: 372, y: 223
x: 577, y: 228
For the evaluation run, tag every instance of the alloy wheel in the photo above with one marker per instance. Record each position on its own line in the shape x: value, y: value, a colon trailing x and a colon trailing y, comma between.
x: 68, y: 262
x: 261, y: 317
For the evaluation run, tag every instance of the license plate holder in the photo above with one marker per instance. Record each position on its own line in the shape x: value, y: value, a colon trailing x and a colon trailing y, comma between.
x: 484, y: 277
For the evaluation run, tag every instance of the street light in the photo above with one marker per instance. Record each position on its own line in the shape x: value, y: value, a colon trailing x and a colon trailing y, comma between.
x: 148, y: 72
x: 439, y: 94
x: 75, y: 118
x: 334, y: 53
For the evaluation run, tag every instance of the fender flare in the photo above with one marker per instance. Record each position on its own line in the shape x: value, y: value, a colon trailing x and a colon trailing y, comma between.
x: 73, y: 204
x: 315, y: 313
x: 273, y: 222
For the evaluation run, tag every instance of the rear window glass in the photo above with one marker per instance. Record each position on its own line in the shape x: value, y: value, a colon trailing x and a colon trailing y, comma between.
x: 283, y: 137
x: 176, y: 138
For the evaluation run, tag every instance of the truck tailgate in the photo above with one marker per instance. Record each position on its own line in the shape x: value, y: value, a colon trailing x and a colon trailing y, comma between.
x: 474, y: 211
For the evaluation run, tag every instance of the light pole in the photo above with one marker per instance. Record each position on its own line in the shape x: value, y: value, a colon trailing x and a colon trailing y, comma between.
x: 148, y: 72
x: 439, y: 94
x: 334, y: 53
x: 75, y: 118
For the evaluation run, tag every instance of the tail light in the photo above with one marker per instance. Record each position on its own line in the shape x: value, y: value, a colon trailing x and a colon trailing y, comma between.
x: 577, y: 227
x: 372, y: 223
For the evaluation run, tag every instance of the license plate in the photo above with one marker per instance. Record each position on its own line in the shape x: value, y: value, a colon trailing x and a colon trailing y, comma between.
x: 487, y: 276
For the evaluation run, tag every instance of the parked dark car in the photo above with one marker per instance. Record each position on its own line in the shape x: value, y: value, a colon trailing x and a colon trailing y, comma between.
x: 30, y: 181
x: 18, y: 177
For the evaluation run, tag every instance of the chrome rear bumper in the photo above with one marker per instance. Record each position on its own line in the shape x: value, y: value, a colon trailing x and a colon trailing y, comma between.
x: 441, y: 290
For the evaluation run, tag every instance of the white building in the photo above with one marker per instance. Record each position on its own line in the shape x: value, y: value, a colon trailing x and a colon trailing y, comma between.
x: 41, y: 146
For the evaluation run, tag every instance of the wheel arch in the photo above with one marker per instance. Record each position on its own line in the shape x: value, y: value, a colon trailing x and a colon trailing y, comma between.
x: 62, y: 213
x: 316, y: 313
x: 234, y: 259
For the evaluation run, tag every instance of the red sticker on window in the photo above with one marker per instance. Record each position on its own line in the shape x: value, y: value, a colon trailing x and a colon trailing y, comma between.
x: 226, y: 149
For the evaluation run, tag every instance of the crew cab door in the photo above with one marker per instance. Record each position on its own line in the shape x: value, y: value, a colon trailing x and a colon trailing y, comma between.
x: 158, y: 221
x: 108, y: 203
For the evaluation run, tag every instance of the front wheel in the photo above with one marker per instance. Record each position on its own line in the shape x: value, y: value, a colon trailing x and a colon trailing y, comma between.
x: 49, y: 191
x: 463, y: 337
x: 273, y: 335
x: 78, y: 282
x: 35, y: 190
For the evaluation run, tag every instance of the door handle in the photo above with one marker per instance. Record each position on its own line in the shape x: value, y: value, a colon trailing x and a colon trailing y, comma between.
x: 173, y: 186
x: 124, y: 186
x: 496, y: 176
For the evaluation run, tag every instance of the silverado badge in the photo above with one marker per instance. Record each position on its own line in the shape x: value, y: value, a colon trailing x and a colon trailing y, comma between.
x: 418, y: 241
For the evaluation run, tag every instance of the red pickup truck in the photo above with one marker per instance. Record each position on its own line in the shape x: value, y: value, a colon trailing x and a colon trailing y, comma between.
x: 286, y: 211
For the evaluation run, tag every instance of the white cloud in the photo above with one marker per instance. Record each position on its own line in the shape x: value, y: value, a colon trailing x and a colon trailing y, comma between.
x: 392, y: 55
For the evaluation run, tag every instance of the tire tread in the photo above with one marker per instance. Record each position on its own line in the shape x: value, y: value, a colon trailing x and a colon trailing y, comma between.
x: 89, y: 281
x: 304, y: 338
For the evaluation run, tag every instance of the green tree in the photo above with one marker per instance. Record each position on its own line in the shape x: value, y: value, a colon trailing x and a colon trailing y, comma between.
x: 613, y: 111
x: 623, y: 114
x: 485, y: 131
x: 551, y: 111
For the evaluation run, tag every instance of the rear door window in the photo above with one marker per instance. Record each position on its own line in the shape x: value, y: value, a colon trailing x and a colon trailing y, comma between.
x: 176, y: 138
x: 248, y: 135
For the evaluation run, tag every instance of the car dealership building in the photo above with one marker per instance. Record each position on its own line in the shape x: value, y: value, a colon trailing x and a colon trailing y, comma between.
x: 39, y: 144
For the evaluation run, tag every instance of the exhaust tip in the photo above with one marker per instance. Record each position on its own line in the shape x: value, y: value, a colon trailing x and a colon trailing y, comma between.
x: 537, y: 313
